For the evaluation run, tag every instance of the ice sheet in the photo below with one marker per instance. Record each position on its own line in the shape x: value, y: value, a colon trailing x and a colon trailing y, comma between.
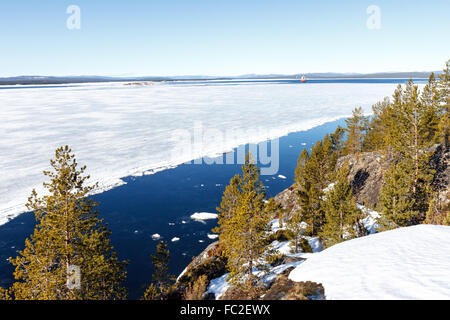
x: 119, y: 130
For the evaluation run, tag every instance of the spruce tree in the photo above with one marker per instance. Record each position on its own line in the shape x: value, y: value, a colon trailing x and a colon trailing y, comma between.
x: 342, y: 216
x: 243, y: 225
x: 70, y: 242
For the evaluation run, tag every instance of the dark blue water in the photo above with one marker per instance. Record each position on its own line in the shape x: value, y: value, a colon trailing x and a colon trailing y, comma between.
x: 146, y: 205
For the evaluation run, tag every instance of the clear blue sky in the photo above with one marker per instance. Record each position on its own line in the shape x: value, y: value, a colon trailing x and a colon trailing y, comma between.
x: 221, y: 37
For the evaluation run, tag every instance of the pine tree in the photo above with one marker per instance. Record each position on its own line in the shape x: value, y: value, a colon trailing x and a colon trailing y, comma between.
x: 295, y: 228
x: 411, y: 133
x: 4, y: 294
x: 160, y: 261
x: 342, y: 217
x: 397, y: 203
x: 69, y: 241
x: 430, y: 102
x: 444, y: 94
x: 337, y: 140
x: 356, y: 127
x: 377, y: 130
x: 243, y: 225
x: 162, y: 280
x: 196, y: 290
x: 313, y: 174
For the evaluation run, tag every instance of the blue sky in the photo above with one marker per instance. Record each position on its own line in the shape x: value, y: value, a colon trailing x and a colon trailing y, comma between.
x: 215, y: 37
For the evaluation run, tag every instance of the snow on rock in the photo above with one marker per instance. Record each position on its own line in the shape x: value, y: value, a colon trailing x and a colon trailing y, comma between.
x: 369, y: 222
x: 282, y: 247
x: 315, y: 244
x: 200, y: 216
x: 156, y: 236
x: 405, y: 263
x: 218, y: 286
x: 275, y: 225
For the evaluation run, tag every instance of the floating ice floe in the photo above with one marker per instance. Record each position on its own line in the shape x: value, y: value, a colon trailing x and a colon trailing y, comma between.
x: 213, y: 236
x: 175, y: 239
x: 156, y: 236
x: 281, y: 176
x: 200, y: 216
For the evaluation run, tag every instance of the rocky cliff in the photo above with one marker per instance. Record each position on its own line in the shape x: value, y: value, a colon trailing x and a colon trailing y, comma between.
x: 366, y: 177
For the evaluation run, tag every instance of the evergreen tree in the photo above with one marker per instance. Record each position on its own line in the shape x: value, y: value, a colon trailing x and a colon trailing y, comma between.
x: 295, y: 228
x: 396, y: 200
x: 243, y: 225
x: 429, y: 121
x: 70, y: 242
x: 356, y: 127
x: 313, y: 174
x: 196, y: 290
x: 162, y: 280
x: 444, y: 94
x: 377, y: 130
x: 4, y: 294
x: 160, y: 261
x: 337, y: 141
x: 341, y: 213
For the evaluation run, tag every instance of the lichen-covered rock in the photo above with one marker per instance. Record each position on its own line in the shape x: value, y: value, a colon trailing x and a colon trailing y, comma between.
x: 210, y: 263
x: 285, y: 289
x: 440, y: 162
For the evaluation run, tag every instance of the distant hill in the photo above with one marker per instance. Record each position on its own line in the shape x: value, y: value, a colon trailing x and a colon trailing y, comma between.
x: 27, y: 80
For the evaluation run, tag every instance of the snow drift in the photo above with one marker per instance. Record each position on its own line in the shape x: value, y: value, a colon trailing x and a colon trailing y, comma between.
x: 405, y: 263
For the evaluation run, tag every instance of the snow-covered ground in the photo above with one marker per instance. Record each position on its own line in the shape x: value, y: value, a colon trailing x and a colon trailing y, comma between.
x: 119, y: 130
x: 405, y: 263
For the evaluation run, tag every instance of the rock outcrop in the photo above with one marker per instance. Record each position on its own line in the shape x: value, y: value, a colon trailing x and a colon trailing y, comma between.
x: 366, y: 177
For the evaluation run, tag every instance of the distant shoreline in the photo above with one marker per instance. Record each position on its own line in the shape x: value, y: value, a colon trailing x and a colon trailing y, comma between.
x: 43, y: 80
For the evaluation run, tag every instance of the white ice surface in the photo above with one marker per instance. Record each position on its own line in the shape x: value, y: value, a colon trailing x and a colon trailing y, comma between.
x: 118, y: 130
x: 405, y: 263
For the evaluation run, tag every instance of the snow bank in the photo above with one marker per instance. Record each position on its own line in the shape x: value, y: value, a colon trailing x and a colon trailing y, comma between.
x: 405, y: 263
x: 118, y: 130
x: 203, y: 216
